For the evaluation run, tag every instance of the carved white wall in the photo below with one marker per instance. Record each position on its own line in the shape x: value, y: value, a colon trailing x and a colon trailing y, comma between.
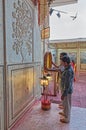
x: 37, y: 41
x: 21, y: 89
x: 19, y: 27
x: 1, y: 33
x: 22, y: 62
x: 1, y: 99
x: 1, y: 69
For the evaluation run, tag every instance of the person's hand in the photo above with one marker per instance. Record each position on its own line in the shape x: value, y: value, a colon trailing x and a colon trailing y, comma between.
x: 52, y: 62
x: 62, y: 97
x: 46, y: 68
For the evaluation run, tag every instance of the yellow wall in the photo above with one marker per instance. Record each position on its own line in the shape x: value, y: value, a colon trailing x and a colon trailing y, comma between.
x: 81, y: 67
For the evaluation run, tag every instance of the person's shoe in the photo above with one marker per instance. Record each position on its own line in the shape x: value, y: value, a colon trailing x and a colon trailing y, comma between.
x: 61, y: 107
x: 62, y: 113
x: 64, y: 120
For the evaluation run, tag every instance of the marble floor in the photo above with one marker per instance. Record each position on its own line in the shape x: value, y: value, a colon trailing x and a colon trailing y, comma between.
x: 38, y: 119
x: 79, y: 93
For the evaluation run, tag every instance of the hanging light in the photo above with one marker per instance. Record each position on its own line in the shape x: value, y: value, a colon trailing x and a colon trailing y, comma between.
x: 51, y: 11
x: 58, y: 14
x: 50, y: 2
x: 45, y: 102
x: 44, y: 81
x: 48, y: 76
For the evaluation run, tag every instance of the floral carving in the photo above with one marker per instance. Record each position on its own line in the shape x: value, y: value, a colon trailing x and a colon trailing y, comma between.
x: 22, y: 28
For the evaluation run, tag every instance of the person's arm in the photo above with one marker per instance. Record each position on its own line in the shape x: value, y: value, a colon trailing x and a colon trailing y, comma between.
x: 54, y: 64
x: 53, y: 69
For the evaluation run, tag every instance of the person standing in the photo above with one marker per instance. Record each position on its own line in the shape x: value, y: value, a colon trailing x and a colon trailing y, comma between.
x: 67, y: 79
x: 73, y: 64
x: 60, y: 70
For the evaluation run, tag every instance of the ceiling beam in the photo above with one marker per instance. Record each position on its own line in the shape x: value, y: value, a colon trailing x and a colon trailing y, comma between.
x: 62, y: 2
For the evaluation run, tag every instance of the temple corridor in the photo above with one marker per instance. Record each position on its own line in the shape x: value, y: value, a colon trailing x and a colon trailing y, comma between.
x: 38, y: 119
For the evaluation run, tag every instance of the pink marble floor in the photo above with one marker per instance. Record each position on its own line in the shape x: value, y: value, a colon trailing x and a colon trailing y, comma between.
x: 79, y: 93
x: 38, y: 119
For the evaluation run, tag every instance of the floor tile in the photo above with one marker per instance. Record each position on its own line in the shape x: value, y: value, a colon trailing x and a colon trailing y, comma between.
x: 39, y: 119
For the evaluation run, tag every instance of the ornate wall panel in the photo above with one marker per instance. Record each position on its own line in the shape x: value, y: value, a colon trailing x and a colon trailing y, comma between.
x: 1, y: 33
x: 82, y: 44
x: 22, y: 60
x: 37, y: 42
x: 1, y: 68
x: 43, y: 11
x: 1, y: 99
x: 21, y: 89
x: 20, y: 22
x: 37, y: 75
x: 83, y: 60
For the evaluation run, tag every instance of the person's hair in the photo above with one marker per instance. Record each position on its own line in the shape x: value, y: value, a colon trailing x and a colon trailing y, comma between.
x: 73, y: 61
x: 63, y: 54
x: 66, y: 59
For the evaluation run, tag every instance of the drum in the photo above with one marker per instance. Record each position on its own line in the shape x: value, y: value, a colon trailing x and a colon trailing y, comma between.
x: 47, y: 61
